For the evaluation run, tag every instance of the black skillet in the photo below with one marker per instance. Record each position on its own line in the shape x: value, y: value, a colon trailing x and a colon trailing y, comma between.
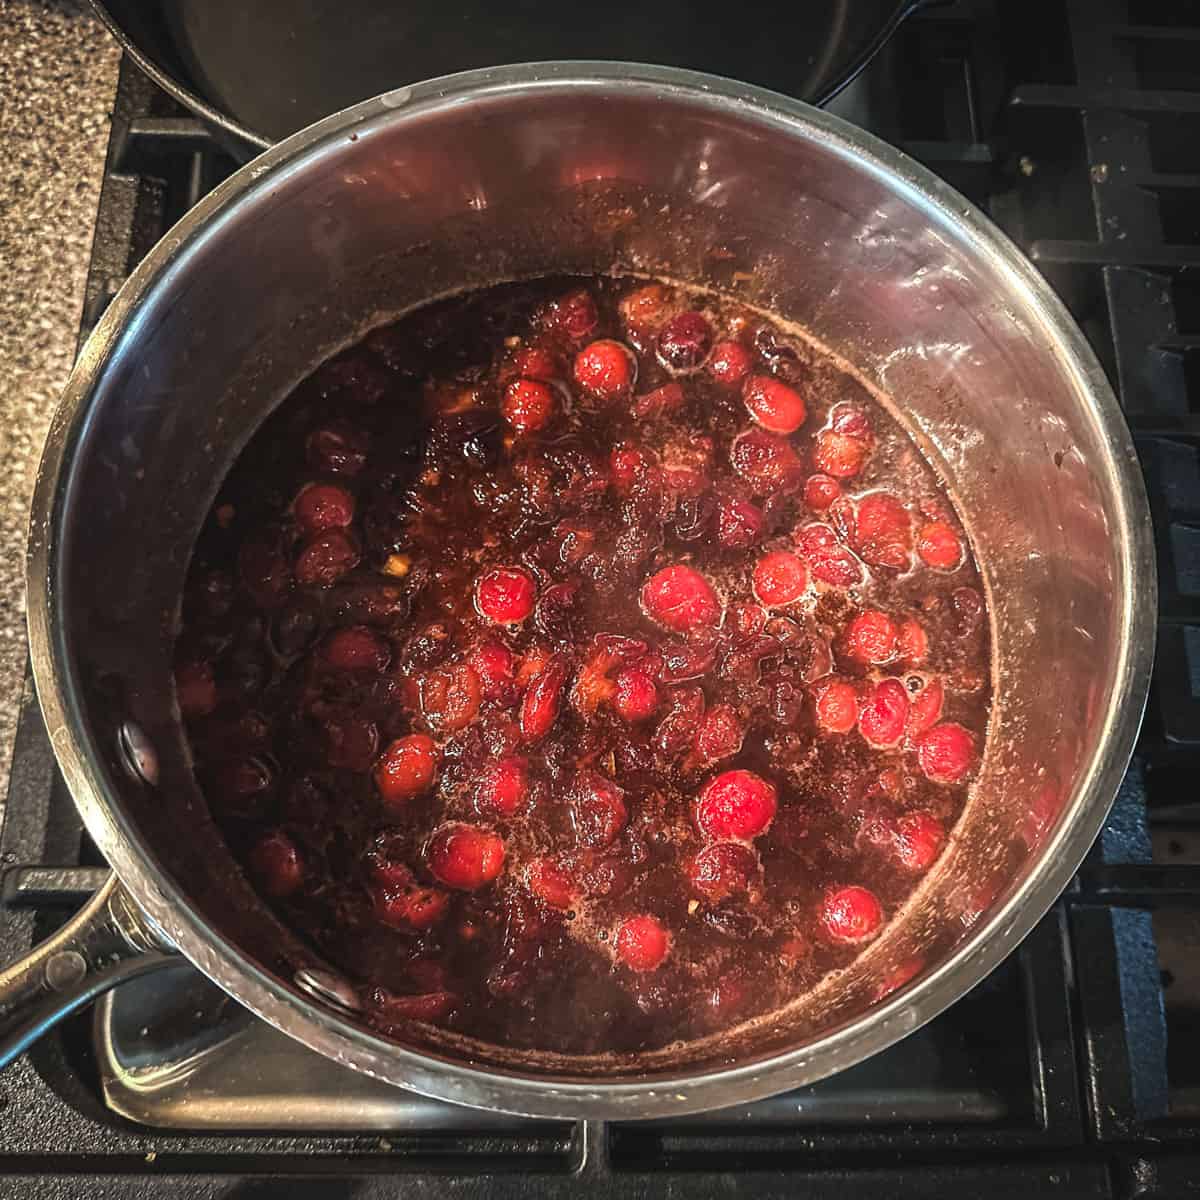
x: 258, y: 71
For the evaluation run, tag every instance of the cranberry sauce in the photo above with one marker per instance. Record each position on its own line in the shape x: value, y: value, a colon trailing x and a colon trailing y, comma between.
x: 584, y: 665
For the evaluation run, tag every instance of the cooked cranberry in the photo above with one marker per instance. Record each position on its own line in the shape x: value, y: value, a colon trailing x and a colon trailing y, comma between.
x: 720, y: 735
x: 598, y: 811
x: 883, y: 531
x: 555, y: 614
x: 394, y: 1011
x: 884, y: 714
x: 967, y: 604
x: 264, y: 573
x: 721, y: 870
x: 779, y: 579
x: 820, y: 491
x: 730, y: 362
x: 326, y: 558
x: 276, y: 864
x: 840, y: 455
x: 195, y: 689
x: 829, y: 561
x: 646, y: 305
x: 406, y: 769
x: 539, y: 708
x: 939, y: 546
x: 627, y: 464
x: 684, y: 341
x: 682, y: 661
x: 527, y: 405
x: 635, y: 697
x: 244, y: 779
x: 505, y: 595
x: 464, y: 856
x: 871, y: 638
x: 850, y: 915
x: 925, y: 709
x: 642, y: 943
x: 772, y: 404
x: 739, y: 523
x: 575, y: 314
x: 338, y: 449
x: 535, y: 362
x: 918, y: 841
x: 836, y: 706
x: 350, y: 742
x: 356, y: 648
x: 661, y: 402
x: 551, y: 883
x: 450, y: 698
x: 403, y: 903
x: 766, y: 462
x: 946, y: 752
x: 321, y: 506
x: 605, y: 370
x: 680, y: 598
x: 677, y: 731
x: 503, y: 788
x: 912, y: 643
x: 736, y: 805
x: 492, y: 662
x: 746, y: 620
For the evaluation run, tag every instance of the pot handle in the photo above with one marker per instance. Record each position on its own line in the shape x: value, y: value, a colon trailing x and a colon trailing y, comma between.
x: 107, y: 942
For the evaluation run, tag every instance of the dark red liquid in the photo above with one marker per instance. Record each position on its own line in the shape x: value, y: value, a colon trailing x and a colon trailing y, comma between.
x: 552, y: 785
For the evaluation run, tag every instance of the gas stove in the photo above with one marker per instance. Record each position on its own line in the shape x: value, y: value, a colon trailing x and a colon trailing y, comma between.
x: 1074, y: 1070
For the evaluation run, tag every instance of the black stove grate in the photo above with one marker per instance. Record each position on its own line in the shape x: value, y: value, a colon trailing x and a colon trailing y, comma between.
x: 1074, y: 1070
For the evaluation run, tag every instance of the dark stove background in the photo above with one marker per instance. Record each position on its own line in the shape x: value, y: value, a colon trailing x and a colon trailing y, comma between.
x: 1075, y: 1069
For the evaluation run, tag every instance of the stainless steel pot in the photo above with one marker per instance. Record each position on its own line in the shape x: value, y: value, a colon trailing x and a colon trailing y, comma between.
x: 584, y: 167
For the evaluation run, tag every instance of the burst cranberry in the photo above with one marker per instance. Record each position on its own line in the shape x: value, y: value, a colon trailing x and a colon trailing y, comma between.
x: 884, y: 715
x: 338, y: 449
x: 946, y: 752
x: 399, y: 1011
x: 195, y: 689
x: 276, y: 864
x: 925, y: 709
x: 918, y: 841
x: 850, y: 915
x: 406, y: 769
x: 681, y: 599
x: 604, y: 370
x: 883, y: 531
x: 736, y: 806
x: 575, y: 314
x: 721, y: 870
x: 642, y: 943
x: 766, y: 462
x: 912, y: 643
x: 747, y: 620
x: 684, y: 341
x: 739, y: 523
x: 551, y: 883
x: 772, y: 404
x: 539, y: 708
x: 635, y: 697
x: 534, y: 362
x: 598, y: 811
x: 356, y: 648
x: 829, y: 561
x: 505, y: 595
x: 839, y: 455
x: 492, y: 662
x: 326, y: 558
x: 399, y: 901
x: 871, y: 638
x: 720, y: 735
x: 967, y: 604
x: 820, y: 491
x: 450, y: 698
x: 627, y: 465
x: 321, y: 506
x: 939, y: 546
x: 645, y: 305
x: 662, y: 401
x: 730, y: 362
x: 527, y: 405
x: 779, y: 579
x: 264, y: 573
x: 677, y: 730
x: 465, y: 857
x: 503, y: 788
x: 836, y: 706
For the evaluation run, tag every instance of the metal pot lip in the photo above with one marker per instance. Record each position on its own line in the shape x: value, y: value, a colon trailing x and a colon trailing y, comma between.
x: 539, y: 1096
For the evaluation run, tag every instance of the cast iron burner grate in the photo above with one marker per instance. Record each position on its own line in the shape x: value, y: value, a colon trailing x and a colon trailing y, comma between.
x: 1074, y: 1070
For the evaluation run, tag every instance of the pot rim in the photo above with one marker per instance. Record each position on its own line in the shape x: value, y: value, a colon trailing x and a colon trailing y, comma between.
x: 452, y: 1080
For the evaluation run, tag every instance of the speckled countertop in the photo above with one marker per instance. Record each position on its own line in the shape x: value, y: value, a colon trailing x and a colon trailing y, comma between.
x: 58, y: 72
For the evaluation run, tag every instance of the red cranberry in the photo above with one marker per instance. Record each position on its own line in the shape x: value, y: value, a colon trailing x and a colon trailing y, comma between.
x: 326, y: 558
x: 772, y: 404
x: 967, y: 604
x: 401, y: 1011
x: 918, y: 841
x: 883, y: 531
x: 912, y: 643
x: 735, y: 806
x: 505, y: 595
x: 642, y: 943
x: 851, y: 915
x: 276, y: 864
x: 871, y: 638
x: 321, y: 506
x: 464, y: 856
x: 539, y: 708
x: 840, y: 455
x: 645, y: 305
x: 677, y: 731
x: 747, y: 620
x: 884, y: 715
x: 350, y: 742
x: 780, y: 578
x: 503, y: 788
x: 195, y: 689
x: 946, y: 752
x: 730, y: 363
x: 939, y: 546
x: 681, y: 599
x: 492, y: 662
x: 635, y: 697
x: 551, y: 883
x: 627, y: 464
x: 450, y: 698
x: 829, y: 561
x: 925, y: 709
x: 406, y: 769
x: 820, y: 491
x: 399, y: 901
x: 739, y: 523
x: 605, y: 370
x: 598, y: 811
x: 766, y: 462
x: 836, y: 706
x: 356, y: 648
x: 720, y: 735
x: 721, y: 870
x: 338, y: 449
x: 575, y: 314
x: 527, y: 405
x: 534, y: 362
x: 684, y: 341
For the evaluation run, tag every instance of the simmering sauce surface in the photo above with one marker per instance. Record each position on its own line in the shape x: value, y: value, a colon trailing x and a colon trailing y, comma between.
x: 584, y: 665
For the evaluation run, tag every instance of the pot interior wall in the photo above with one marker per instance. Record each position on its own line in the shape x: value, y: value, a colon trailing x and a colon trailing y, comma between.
x: 418, y: 202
